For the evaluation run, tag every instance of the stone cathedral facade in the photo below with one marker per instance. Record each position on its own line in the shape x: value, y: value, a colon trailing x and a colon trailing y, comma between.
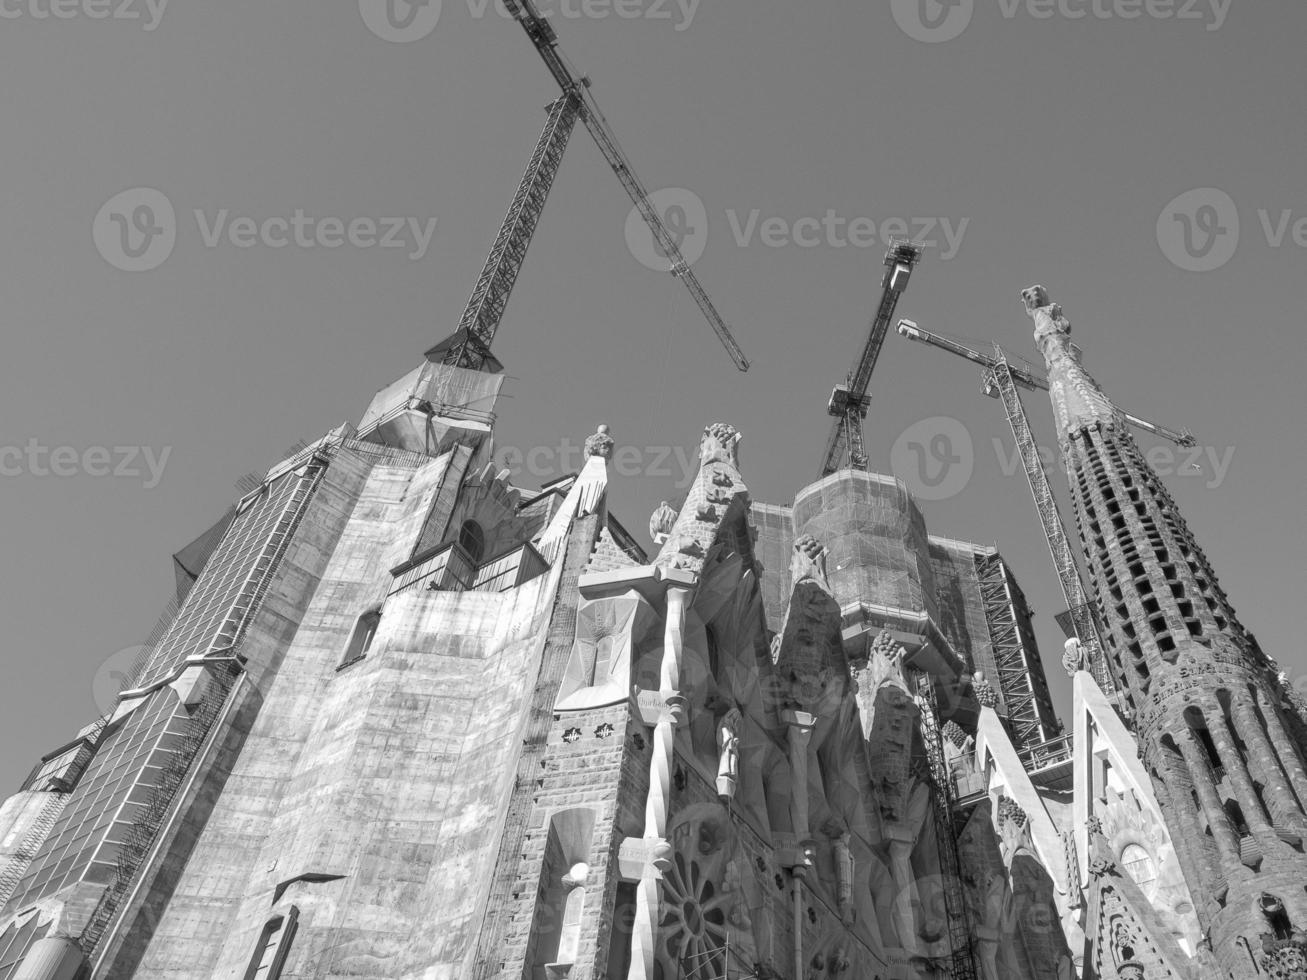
x: 409, y: 721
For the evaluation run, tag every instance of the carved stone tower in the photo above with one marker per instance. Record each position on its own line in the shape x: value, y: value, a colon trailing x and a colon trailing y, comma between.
x: 1203, y: 700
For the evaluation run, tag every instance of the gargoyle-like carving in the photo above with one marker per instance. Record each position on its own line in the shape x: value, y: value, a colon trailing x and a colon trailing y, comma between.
x: 600, y: 444
x: 720, y: 444
x: 1100, y: 866
x: 688, y: 545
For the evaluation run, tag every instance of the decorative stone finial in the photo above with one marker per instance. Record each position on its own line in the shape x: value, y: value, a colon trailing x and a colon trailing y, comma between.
x: 1073, y: 656
x: 1010, y: 811
x: 984, y: 691
x: 808, y: 564
x: 600, y: 444
x: 720, y: 444
x: 954, y: 733
x: 661, y: 523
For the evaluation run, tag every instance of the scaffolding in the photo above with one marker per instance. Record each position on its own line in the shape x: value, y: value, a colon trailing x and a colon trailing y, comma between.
x: 149, y: 822
x: 961, y: 964
x: 1000, y: 381
x: 1017, y: 665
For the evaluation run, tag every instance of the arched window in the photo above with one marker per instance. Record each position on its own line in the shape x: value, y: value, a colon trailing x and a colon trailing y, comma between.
x: 361, y: 637
x: 1139, y: 865
x: 472, y: 539
x: 1276, y: 917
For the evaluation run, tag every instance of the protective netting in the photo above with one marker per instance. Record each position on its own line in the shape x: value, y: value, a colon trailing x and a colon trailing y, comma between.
x: 875, y: 537
x: 452, y: 392
x: 961, y: 604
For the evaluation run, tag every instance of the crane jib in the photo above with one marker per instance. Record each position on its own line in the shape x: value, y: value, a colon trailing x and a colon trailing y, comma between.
x: 545, y: 40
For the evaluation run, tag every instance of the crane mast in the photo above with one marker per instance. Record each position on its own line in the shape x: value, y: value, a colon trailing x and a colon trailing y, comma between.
x: 485, y: 308
x: 576, y: 92
x: 1001, y: 380
x: 849, y: 402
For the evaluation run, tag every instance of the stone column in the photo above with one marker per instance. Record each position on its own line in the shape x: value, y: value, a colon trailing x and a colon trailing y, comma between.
x: 1266, y: 764
x: 669, y: 690
x: 1235, y: 770
x: 800, y: 725
x: 1200, y: 771
x: 644, y: 933
x: 1285, y: 749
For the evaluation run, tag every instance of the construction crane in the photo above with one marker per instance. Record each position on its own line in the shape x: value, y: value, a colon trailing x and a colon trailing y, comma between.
x: 849, y: 402
x: 485, y: 308
x: 1001, y: 380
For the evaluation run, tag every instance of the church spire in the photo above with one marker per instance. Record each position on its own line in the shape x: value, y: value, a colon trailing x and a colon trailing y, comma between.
x: 1201, y: 697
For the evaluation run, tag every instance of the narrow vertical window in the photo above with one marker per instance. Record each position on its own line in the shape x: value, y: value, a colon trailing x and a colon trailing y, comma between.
x: 361, y: 637
x: 273, y: 947
x: 472, y: 539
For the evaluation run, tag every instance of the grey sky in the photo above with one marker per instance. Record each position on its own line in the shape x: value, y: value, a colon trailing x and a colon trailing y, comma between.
x: 1058, y: 141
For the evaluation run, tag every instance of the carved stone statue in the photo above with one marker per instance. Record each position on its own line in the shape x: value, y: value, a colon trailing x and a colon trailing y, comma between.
x: 600, y: 444
x: 728, y: 748
x: 661, y: 523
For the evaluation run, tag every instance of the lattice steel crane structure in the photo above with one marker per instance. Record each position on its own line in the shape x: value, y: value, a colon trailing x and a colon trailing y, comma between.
x: 849, y: 401
x: 470, y: 346
x: 1001, y: 380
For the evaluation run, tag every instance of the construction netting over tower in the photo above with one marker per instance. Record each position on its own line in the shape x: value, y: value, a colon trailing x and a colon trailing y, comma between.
x: 876, y: 537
